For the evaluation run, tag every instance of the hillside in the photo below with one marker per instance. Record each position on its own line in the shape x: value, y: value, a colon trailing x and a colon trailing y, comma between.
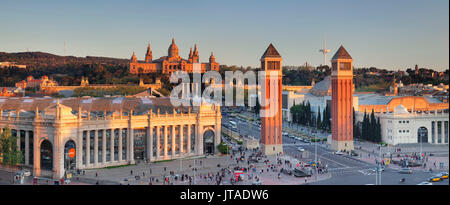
x: 41, y: 59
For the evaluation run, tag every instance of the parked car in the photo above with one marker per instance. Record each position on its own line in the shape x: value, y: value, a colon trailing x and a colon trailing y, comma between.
x: 299, y: 173
x: 434, y: 179
x: 285, y: 171
x: 425, y: 183
x: 23, y: 172
x: 353, y: 153
x: 443, y: 175
x: 300, y: 149
x: 338, y: 153
x: 405, y: 171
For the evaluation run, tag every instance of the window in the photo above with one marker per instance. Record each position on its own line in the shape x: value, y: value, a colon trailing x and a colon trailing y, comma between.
x: 399, y: 121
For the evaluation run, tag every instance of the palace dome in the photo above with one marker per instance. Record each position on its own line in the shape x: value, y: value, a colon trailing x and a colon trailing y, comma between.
x: 173, y: 49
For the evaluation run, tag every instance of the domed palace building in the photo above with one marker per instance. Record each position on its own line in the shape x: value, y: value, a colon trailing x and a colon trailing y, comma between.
x: 172, y: 62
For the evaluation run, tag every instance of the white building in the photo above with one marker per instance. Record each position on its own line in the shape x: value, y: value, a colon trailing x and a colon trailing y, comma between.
x: 402, y: 127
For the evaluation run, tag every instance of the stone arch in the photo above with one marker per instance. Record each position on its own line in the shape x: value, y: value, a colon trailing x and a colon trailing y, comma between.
x: 422, y: 135
x: 70, y: 163
x: 209, y: 141
x: 46, y: 152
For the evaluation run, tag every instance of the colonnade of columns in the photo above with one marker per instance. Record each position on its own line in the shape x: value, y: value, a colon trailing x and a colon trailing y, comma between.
x: 440, y: 136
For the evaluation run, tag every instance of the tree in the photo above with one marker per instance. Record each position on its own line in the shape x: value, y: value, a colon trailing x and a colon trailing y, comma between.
x: 365, y: 126
x: 326, y: 118
x: 373, y: 127
x: 378, y: 130
x: 319, y: 119
x: 8, y: 148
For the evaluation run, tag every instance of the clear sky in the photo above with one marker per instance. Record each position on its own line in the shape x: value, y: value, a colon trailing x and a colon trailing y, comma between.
x: 384, y: 33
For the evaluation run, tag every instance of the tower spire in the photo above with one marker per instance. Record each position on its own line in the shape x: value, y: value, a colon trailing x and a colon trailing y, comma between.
x: 148, y: 55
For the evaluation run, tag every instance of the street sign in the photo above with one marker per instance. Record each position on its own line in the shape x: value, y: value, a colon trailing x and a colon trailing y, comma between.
x: 72, y: 152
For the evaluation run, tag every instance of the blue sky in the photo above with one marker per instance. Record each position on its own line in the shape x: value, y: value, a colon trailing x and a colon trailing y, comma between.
x: 386, y: 34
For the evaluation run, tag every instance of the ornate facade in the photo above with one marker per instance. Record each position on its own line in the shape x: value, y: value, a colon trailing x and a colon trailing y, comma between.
x: 107, y: 131
x: 172, y: 62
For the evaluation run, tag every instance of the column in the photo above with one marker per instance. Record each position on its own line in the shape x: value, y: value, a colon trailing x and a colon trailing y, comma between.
x: 88, y: 148
x: 165, y: 141
x: 79, y: 150
x: 188, y: 148
x: 158, y: 139
x: 199, y: 140
x: 196, y: 139
x: 435, y: 132
x: 150, y: 142
x: 181, y: 139
x: 27, y: 147
x: 104, y: 147
x: 95, y: 148
x: 128, y: 144
x: 173, y: 141
x: 111, y: 147
x: 132, y: 145
x: 36, y: 153
x: 443, y: 131
x: 120, y: 144
x: 18, y: 139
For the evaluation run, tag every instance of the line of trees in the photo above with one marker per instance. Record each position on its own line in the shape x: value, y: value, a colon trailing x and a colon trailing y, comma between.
x: 371, y: 128
x: 302, y: 114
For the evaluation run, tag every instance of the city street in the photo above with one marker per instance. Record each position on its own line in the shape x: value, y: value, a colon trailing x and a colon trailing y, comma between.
x: 347, y: 170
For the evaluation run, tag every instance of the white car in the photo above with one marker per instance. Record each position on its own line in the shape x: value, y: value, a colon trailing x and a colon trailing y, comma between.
x: 338, y: 153
x: 425, y: 183
x: 300, y: 149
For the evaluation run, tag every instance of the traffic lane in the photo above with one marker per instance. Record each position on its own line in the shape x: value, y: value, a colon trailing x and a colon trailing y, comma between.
x: 329, y: 155
x: 326, y: 156
x: 293, y: 151
x: 388, y: 177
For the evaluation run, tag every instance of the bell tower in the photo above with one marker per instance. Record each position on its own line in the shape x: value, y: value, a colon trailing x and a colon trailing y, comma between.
x: 271, y: 120
x: 342, y: 101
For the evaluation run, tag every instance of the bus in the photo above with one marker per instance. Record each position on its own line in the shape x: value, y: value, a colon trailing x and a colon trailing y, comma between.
x: 233, y: 124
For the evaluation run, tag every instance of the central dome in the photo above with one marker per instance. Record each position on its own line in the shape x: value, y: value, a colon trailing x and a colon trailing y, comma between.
x: 173, y: 49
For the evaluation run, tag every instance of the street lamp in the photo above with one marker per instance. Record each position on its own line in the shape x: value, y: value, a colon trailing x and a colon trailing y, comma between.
x: 379, y: 168
x: 315, y: 157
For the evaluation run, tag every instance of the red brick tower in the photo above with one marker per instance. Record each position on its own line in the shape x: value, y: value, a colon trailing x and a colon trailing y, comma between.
x: 271, y: 121
x: 342, y: 100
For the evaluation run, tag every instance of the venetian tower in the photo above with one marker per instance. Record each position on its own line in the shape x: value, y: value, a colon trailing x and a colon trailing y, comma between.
x: 342, y: 100
x: 271, y: 120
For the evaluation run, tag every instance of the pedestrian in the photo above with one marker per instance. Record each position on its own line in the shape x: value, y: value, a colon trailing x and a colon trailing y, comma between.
x: 143, y: 174
x: 96, y: 174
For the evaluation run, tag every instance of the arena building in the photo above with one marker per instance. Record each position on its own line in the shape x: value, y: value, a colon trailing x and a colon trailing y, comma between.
x: 59, y: 136
x: 402, y: 126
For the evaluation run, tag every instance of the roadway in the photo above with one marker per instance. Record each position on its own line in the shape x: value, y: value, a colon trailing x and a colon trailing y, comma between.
x: 344, y: 169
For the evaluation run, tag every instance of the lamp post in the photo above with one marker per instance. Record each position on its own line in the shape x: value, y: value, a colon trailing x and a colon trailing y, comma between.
x: 315, y: 157
x: 379, y: 167
x: 195, y: 169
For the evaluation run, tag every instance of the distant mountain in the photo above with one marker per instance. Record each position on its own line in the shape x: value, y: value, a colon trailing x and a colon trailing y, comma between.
x: 41, y: 59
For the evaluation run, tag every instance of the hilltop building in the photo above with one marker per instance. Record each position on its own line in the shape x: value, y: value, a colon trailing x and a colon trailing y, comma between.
x: 172, y: 62
x: 36, y: 83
